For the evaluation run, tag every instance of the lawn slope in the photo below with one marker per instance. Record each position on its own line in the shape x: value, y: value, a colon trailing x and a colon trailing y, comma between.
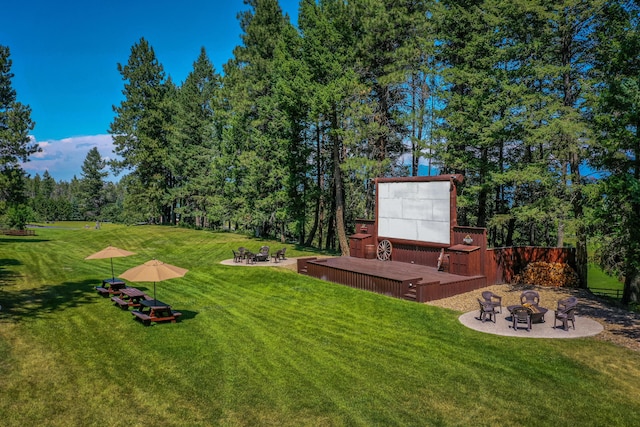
x: 266, y: 346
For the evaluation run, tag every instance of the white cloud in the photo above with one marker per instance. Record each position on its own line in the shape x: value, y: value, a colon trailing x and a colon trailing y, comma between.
x: 63, y: 158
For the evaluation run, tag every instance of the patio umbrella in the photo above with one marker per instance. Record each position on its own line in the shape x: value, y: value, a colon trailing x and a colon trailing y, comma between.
x: 110, y: 252
x: 153, y: 271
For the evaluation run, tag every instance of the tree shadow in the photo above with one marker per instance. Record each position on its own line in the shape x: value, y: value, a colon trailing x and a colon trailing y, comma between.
x: 187, y: 314
x: 627, y: 323
x: 7, y: 276
x: 22, y: 240
x: 36, y: 303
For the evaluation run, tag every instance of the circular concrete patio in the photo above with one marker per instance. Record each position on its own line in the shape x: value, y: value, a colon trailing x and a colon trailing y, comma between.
x: 585, y: 327
x: 269, y: 263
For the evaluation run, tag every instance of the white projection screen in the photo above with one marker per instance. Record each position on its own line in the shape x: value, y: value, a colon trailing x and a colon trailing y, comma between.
x: 417, y: 211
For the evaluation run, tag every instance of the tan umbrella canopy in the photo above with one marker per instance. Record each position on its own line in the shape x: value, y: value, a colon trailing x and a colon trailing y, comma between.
x: 110, y: 252
x: 153, y: 271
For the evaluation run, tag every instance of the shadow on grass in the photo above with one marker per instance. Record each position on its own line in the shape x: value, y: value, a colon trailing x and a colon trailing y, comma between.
x: 186, y: 315
x: 22, y: 240
x: 7, y: 276
x: 35, y: 303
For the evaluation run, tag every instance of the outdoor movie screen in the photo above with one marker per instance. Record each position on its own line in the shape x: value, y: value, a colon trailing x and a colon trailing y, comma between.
x: 415, y: 211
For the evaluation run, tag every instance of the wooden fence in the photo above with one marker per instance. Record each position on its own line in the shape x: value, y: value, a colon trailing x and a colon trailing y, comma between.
x: 503, y: 264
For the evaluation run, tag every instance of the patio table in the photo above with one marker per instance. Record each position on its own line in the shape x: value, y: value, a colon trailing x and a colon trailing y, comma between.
x: 111, y: 287
x: 129, y: 297
x: 153, y: 310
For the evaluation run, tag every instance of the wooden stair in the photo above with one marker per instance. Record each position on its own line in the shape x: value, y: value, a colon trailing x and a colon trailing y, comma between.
x: 411, y: 295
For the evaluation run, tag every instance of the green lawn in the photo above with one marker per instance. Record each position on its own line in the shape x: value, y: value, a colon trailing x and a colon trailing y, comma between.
x: 266, y: 346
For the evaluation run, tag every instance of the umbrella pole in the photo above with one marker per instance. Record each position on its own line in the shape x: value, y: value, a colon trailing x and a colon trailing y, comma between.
x: 113, y: 276
x: 154, y: 293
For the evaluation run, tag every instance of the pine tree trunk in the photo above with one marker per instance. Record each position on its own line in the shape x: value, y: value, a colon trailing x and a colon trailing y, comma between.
x: 581, y: 233
x: 320, y: 184
x: 339, y: 200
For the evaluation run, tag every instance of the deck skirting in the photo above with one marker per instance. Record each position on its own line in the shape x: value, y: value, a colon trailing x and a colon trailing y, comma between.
x: 391, y: 278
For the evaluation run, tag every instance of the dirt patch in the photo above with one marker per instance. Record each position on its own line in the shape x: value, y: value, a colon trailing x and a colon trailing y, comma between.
x: 621, y: 327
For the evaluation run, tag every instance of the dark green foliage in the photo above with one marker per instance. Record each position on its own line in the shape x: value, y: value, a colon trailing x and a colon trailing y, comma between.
x: 196, y: 137
x: 18, y: 215
x: 616, y: 200
x: 141, y: 132
x: 15, y: 144
x: 514, y: 95
x: 92, y: 184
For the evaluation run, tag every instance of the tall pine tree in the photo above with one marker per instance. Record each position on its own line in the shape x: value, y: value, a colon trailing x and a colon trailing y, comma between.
x: 141, y: 132
x: 15, y: 144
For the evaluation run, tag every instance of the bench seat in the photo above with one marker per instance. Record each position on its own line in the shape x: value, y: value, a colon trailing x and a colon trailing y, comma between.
x: 122, y: 303
x: 174, y: 316
x: 146, y: 319
x: 102, y: 291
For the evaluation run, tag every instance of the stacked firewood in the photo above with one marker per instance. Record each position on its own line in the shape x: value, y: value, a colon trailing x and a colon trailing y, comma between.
x: 552, y: 274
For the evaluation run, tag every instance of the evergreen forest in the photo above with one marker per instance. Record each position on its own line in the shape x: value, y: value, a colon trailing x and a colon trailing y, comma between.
x: 535, y: 102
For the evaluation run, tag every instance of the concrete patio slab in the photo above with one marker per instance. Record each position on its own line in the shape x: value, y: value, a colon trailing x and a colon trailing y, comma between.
x: 585, y: 327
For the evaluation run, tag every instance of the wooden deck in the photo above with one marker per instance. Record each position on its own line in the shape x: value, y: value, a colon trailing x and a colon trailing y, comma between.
x: 392, y: 278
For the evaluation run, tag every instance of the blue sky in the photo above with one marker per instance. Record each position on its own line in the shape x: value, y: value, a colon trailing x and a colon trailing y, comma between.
x: 65, y: 55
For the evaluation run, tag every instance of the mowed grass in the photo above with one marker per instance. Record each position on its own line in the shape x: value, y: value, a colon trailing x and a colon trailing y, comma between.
x: 266, y: 346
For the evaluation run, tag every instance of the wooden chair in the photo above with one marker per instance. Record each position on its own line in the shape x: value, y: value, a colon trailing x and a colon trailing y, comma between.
x: 276, y: 256
x: 242, y: 251
x: 521, y: 315
x: 250, y: 257
x: 236, y: 256
x: 493, y: 299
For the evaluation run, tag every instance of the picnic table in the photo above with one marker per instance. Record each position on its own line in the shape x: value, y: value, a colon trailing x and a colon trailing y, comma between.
x: 152, y: 310
x: 129, y: 297
x: 111, y: 287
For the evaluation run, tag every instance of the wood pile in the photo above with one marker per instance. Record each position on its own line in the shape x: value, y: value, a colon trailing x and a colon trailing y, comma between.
x: 551, y: 274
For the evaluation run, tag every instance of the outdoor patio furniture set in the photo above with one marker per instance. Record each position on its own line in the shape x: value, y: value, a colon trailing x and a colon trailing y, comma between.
x: 243, y: 254
x: 146, y: 308
x: 528, y: 311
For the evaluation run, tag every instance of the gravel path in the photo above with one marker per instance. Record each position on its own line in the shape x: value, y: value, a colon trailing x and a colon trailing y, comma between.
x: 621, y: 327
